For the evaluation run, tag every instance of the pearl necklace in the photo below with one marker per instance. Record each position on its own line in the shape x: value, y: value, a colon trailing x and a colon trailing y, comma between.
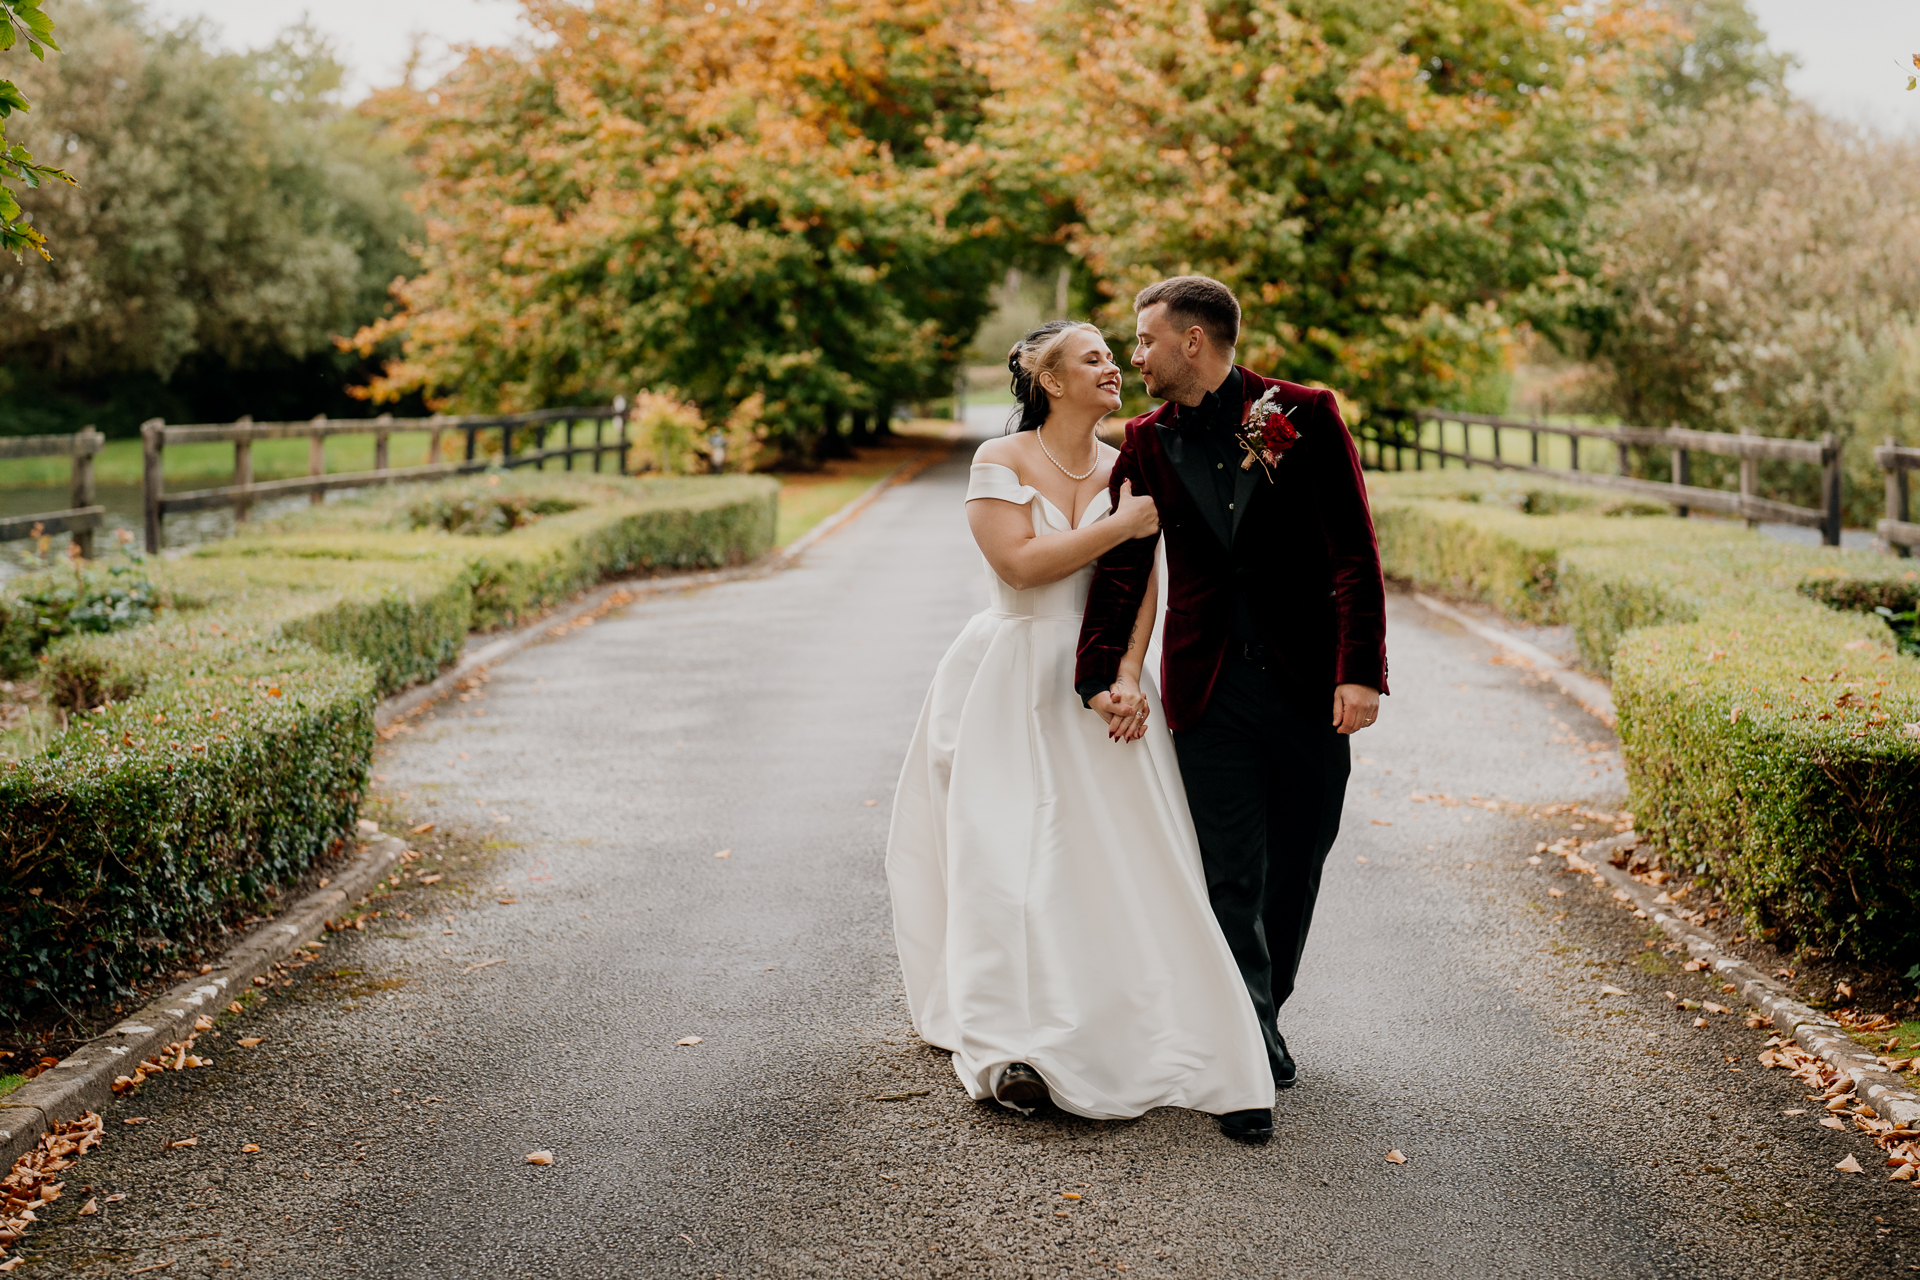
x: 1056, y: 462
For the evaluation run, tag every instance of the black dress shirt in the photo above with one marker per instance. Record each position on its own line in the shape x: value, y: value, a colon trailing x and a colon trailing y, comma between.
x: 1206, y: 430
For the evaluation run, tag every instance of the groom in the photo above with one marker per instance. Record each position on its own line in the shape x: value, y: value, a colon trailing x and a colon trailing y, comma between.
x: 1275, y: 640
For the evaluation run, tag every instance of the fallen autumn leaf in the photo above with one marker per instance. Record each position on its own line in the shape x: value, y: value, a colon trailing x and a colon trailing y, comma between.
x: 540, y: 1157
x: 1394, y: 1157
x: 689, y: 1040
x: 1849, y: 1165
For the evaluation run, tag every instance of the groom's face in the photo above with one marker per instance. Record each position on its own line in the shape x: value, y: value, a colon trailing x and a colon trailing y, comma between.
x: 1161, y: 354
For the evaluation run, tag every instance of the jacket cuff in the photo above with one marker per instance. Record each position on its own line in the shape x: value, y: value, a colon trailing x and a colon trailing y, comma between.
x: 1091, y: 689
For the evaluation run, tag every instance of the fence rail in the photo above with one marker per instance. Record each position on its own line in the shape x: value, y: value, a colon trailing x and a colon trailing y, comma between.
x: 1395, y: 433
x: 81, y: 516
x: 156, y: 435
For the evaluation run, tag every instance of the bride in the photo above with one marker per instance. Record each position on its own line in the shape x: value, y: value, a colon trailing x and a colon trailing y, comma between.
x: 1048, y: 899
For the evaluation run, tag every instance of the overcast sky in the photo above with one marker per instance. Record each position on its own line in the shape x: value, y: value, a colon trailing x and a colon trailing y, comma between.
x: 1855, y: 54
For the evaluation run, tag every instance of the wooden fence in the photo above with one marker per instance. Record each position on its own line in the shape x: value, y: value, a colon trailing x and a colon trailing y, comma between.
x: 81, y: 517
x: 1386, y: 440
x: 1900, y: 533
x: 609, y: 424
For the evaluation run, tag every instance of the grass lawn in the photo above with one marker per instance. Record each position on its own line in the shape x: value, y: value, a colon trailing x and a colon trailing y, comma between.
x: 9, y: 1083
x: 807, y: 499
x: 206, y: 465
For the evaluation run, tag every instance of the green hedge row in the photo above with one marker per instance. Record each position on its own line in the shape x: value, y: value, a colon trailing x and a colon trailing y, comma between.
x: 194, y: 765
x: 1770, y: 729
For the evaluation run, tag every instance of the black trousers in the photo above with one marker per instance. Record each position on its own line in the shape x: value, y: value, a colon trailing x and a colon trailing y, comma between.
x: 1266, y: 784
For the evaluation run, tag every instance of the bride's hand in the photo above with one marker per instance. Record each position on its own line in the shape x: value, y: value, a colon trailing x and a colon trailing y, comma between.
x: 1138, y: 515
x: 1124, y: 708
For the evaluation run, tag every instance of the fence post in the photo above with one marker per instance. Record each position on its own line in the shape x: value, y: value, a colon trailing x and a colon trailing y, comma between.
x: 1897, y: 499
x: 1682, y: 474
x: 569, y: 466
x: 153, y: 442
x: 382, y: 450
x: 242, y: 472
x: 1749, y: 479
x: 1534, y: 447
x: 317, y: 459
x: 1830, y: 489
x: 85, y: 445
x: 620, y: 421
x: 1573, y: 453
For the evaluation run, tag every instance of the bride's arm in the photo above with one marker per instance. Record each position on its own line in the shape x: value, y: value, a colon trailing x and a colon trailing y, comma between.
x: 1024, y: 561
x: 1124, y: 706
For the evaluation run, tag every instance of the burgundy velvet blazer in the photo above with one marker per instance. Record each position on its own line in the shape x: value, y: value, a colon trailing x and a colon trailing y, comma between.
x: 1301, y: 547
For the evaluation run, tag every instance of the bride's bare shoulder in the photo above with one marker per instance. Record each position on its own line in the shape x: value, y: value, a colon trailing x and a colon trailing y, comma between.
x: 1006, y: 451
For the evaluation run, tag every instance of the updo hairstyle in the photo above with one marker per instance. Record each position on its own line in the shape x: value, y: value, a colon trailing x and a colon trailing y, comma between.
x: 1037, y: 353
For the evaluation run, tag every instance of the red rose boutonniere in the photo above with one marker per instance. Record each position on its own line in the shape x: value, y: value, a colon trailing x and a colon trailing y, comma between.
x: 1266, y: 434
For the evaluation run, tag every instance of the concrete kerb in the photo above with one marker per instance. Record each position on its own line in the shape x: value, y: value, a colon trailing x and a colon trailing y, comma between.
x: 1814, y: 1031
x: 83, y: 1080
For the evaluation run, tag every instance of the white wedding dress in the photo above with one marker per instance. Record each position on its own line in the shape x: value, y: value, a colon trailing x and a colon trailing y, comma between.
x: 1048, y: 898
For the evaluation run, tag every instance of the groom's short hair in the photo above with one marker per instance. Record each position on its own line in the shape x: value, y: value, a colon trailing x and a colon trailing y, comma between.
x: 1196, y: 300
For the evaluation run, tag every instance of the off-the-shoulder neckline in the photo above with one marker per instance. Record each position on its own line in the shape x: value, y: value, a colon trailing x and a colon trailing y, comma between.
x: 1048, y: 502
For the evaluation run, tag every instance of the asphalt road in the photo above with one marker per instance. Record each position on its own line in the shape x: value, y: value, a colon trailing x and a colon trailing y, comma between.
x: 1450, y: 1008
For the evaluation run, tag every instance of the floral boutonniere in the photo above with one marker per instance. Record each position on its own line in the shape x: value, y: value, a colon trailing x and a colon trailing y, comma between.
x: 1266, y: 433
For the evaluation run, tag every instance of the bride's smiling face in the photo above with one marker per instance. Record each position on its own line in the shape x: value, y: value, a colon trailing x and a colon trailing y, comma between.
x: 1085, y: 376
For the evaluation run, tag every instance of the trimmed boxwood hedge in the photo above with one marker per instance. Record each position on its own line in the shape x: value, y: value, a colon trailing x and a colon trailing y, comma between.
x: 1771, y: 731
x: 209, y: 757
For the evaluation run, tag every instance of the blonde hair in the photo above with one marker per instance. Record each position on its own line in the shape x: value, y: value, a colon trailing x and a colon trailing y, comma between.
x: 1037, y: 353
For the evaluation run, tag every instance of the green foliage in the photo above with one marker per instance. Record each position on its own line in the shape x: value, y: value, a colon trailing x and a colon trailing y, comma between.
x: 203, y: 761
x: 233, y: 763
x: 1905, y: 627
x: 482, y: 514
x: 1771, y: 739
x: 22, y: 20
x: 42, y: 608
x: 231, y: 214
x: 1386, y: 187
x: 1782, y: 755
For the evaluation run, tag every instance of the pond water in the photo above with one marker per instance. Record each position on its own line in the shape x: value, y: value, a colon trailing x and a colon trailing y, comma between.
x: 123, y: 502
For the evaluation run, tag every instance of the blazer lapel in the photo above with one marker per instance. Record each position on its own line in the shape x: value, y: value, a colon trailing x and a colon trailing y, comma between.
x: 1192, y: 471
x: 1248, y: 482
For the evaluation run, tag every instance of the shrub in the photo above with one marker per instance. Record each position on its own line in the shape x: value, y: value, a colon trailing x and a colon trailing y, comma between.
x: 198, y: 763
x: 1781, y: 754
x: 230, y: 764
x: 1771, y: 743
x: 73, y: 601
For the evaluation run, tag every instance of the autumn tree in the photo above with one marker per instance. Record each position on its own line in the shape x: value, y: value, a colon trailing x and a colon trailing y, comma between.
x: 22, y: 22
x: 766, y: 197
x: 1386, y: 185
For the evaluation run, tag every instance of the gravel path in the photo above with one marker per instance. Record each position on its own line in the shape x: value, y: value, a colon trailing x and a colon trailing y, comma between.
x: 1450, y: 1007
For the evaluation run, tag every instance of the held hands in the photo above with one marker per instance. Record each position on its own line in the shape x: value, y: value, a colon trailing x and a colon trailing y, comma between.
x: 1124, y: 708
x: 1355, y: 706
x: 1138, y: 516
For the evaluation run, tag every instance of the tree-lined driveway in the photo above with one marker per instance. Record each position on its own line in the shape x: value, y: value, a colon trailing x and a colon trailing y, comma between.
x: 1452, y: 1008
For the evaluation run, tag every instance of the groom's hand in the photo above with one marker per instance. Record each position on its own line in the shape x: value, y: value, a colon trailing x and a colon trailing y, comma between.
x: 1125, y: 711
x: 1355, y: 706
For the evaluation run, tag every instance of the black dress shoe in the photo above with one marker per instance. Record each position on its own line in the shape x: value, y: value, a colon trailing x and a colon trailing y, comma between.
x: 1021, y: 1086
x: 1285, y: 1074
x: 1248, y: 1126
